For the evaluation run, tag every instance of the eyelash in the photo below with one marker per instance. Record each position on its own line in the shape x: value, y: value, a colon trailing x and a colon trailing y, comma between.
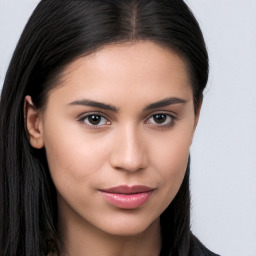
x: 96, y: 114
x: 171, y: 120
x: 168, y: 122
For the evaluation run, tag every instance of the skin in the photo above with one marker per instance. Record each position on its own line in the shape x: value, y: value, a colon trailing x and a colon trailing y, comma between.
x: 128, y: 146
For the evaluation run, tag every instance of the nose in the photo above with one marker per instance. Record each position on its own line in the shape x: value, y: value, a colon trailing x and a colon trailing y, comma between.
x: 128, y: 151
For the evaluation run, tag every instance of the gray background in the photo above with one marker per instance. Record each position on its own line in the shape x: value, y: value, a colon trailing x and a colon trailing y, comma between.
x: 223, y: 173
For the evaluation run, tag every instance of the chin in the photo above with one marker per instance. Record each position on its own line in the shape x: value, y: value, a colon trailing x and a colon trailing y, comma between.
x: 128, y: 228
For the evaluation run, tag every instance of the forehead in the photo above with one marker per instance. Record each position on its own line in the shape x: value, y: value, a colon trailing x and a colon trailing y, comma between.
x: 127, y: 70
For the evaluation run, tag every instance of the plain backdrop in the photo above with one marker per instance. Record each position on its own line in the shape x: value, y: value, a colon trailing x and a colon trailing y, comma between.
x: 223, y: 154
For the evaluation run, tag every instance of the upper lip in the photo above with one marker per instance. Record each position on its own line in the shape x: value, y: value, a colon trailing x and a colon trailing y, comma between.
x: 124, y: 189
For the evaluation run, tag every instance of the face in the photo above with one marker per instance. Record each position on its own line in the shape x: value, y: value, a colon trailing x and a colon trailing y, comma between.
x: 117, y: 134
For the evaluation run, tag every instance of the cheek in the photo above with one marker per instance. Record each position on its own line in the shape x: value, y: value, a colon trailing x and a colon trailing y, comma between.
x: 170, y: 159
x: 172, y: 175
x: 171, y: 151
x: 173, y: 165
x: 73, y: 157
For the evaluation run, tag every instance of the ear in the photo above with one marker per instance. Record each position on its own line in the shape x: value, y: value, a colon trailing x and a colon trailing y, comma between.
x: 33, y: 123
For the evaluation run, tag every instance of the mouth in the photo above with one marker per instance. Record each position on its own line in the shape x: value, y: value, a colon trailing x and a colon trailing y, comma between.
x: 127, y: 197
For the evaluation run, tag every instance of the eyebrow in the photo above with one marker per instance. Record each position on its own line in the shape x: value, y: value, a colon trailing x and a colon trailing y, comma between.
x: 92, y: 103
x: 158, y: 104
x: 164, y: 103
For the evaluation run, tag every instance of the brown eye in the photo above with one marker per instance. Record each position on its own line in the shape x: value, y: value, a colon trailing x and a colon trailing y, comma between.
x: 159, y: 118
x: 95, y: 120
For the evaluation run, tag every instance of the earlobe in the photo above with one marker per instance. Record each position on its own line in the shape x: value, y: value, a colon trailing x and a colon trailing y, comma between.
x: 33, y: 123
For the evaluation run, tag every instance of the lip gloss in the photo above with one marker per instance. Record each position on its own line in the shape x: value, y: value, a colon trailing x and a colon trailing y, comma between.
x: 126, y: 197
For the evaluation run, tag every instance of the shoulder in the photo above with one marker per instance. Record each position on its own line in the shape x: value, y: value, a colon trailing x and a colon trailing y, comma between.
x: 198, y: 249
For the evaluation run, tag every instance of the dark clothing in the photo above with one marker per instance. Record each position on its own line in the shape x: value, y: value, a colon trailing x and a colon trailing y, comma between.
x: 198, y: 249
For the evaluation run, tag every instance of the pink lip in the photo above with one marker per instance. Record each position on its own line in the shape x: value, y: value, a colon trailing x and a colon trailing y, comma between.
x: 126, y: 197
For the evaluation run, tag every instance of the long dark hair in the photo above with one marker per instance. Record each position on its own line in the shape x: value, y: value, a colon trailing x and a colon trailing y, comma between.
x: 58, y: 32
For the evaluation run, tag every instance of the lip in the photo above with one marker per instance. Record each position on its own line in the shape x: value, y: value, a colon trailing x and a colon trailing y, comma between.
x: 127, y: 197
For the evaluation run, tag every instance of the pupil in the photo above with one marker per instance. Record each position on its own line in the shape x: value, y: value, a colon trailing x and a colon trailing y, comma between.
x: 159, y: 118
x: 94, y: 119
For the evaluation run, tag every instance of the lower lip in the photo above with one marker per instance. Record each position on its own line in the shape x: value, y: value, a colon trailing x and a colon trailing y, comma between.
x: 127, y: 201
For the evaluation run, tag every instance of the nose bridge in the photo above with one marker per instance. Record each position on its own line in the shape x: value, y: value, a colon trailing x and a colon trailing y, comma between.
x: 128, y: 152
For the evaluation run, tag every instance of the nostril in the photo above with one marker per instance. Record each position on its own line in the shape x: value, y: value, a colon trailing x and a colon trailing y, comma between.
x: 130, y: 165
x: 128, y: 149
x: 129, y: 160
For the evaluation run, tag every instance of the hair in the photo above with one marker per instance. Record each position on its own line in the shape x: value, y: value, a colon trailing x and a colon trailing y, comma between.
x: 57, y: 33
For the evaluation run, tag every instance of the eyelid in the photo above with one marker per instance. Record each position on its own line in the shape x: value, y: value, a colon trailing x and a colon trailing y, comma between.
x: 82, y: 117
x: 172, y: 115
x: 165, y: 112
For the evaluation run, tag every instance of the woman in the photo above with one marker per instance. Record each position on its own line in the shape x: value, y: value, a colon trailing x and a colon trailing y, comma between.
x: 98, y: 111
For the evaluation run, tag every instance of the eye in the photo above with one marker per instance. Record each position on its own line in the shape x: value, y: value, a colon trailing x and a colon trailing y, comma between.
x: 95, y: 120
x: 161, y: 119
